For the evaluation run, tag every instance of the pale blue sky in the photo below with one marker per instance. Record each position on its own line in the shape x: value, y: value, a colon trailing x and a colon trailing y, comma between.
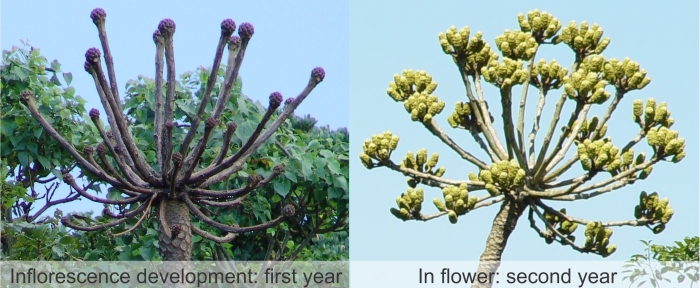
x: 291, y: 38
x: 389, y: 36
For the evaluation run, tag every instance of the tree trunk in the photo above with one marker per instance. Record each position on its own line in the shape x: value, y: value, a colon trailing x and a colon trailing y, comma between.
x: 503, y: 225
x: 177, y: 247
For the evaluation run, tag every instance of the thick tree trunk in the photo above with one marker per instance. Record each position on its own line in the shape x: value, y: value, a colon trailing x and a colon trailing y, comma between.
x: 503, y: 226
x: 177, y: 247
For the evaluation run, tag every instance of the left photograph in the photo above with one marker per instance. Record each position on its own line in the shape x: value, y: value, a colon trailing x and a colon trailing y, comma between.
x: 171, y: 132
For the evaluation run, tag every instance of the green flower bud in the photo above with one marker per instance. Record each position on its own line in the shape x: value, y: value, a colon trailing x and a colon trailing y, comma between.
x: 492, y: 189
x: 659, y: 228
x: 452, y: 216
x: 439, y: 205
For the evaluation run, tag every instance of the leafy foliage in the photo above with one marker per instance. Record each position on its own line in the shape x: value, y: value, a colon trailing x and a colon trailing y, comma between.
x: 660, y: 262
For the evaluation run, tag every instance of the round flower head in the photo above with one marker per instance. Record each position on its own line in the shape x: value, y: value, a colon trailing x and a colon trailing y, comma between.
x: 288, y: 210
x: 318, y: 73
x: 101, y: 149
x: 87, y: 150
x: 177, y: 157
x: 98, y: 15
x: 275, y: 100
x: 92, y: 55
x: 210, y: 123
x: 231, y: 127
x: 87, y: 66
x: 166, y: 26
x: 68, y: 178
x: 279, y: 169
x: 289, y: 101
x: 253, y: 180
x: 234, y: 42
x: 156, y: 36
x: 94, y: 113
x: 246, y: 30
x: 25, y: 95
x: 228, y: 26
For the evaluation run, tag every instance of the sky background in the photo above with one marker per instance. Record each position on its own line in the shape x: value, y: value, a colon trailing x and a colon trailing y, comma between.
x: 389, y: 36
x: 290, y: 40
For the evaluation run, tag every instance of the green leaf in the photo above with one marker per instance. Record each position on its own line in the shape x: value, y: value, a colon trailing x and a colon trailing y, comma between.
x: 114, y: 194
x: 290, y: 175
x: 282, y: 187
x: 334, y: 193
x: 70, y: 92
x: 68, y: 77
x: 38, y: 131
x: 23, y: 158
x: 146, y: 253
x: 55, y: 65
x: 54, y: 80
x: 65, y: 114
x: 244, y: 131
x: 326, y: 153
x: 65, y: 240
x: 59, y: 250
x: 44, y: 161
x: 334, y: 166
x: 313, y: 145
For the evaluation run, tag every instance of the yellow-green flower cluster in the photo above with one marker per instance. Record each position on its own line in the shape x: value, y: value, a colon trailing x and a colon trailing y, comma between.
x: 652, y: 114
x: 586, y: 83
x: 584, y: 40
x: 667, y: 142
x: 542, y: 25
x: 550, y: 75
x: 566, y: 227
x: 422, y: 163
x: 414, y: 89
x: 598, y: 155
x: 599, y: 237
x: 379, y: 147
x: 472, y: 52
x: 650, y: 207
x: 626, y: 74
x: 409, y: 203
x: 516, y: 45
x: 461, y: 116
x: 588, y: 127
x: 505, y: 74
x: 457, y: 202
x: 501, y: 175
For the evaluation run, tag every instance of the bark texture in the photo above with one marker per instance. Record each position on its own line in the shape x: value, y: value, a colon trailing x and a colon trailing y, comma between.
x: 503, y: 225
x: 177, y: 246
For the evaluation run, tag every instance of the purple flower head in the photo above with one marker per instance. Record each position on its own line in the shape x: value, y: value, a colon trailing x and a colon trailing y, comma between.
x: 87, y: 66
x: 246, y: 30
x: 289, y: 101
x: 68, y: 178
x: 177, y: 157
x: 318, y: 73
x: 166, y: 26
x: 288, y: 210
x: 228, y: 26
x: 87, y: 150
x: 231, y: 127
x: 234, y: 42
x: 94, y: 113
x: 275, y: 100
x: 25, y: 95
x: 253, y: 180
x: 92, y: 55
x: 101, y: 149
x: 279, y: 169
x: 156, y: 36
x: 98, y: 15
x: 210, y: 123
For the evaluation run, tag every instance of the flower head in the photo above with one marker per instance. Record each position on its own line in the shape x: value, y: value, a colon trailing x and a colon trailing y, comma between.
x: 246, y: 30
x: 228, y: 26
x: 98, y: 15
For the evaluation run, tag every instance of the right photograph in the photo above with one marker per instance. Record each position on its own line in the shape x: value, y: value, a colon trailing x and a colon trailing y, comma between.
x: 535, y: 131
